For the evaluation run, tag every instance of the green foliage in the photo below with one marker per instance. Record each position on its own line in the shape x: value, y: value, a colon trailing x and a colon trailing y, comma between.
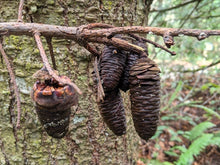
x: 174, y: 95
x: 175, y: 117
x: 171, y: 153
x: 167, y: 163
x: 211, y: 87
x: 194, y: 150
x: 184, y: 91
x: 208, y: 110
x: 180, y: 148
x: 199, y: 129
x: 200, y: 141
x: 160, y: 130
x: 215, y: 141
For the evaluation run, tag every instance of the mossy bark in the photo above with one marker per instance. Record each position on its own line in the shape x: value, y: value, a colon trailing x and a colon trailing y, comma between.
x: 88, y: 140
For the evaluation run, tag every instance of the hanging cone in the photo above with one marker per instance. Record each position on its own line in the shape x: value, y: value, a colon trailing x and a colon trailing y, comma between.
x: 145, y: 96
x: 112, y: 65
x: 113, y: 113
x: 52, y: 103
x: 111, y: 108
x: 132, y: 57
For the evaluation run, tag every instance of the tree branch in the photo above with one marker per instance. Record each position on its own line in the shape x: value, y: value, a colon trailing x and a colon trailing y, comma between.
x: 13, y: 81
x: 14, y: 28
x: 100, y: 90
x: 203, y: 68
x: 189, y: 15
x: 20, y: 11
x: 92, y: 50
x: 174, y: 7
x: 47, y: 65
x: 100, y: 25
x: 153, y: 43
x: 87, y: 33
x: 199, y: 34
x: 50, y: 46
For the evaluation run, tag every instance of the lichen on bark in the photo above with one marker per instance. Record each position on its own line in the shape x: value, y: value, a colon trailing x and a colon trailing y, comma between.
x: 88, y: 140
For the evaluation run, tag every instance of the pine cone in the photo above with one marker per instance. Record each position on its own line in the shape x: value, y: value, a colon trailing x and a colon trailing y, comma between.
x: 113, y: 113
x: 52, y: 103
x: 112, y: 65
x: 111, y: 108
x: 145, y: 96
x: 132, y: 57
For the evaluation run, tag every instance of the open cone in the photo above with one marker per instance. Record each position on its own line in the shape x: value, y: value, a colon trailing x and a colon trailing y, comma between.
x: 52, y: 103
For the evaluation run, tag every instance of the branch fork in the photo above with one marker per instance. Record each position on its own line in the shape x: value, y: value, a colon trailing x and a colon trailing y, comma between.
x: 47, y: 65
x: 84, y: 35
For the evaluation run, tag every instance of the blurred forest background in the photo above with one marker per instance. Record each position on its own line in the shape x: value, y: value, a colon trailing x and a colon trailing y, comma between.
x: 190, y: 120
x: 189, y: 128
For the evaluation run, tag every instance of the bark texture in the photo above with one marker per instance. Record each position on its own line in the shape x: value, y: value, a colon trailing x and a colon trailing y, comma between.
x: 88, y: 141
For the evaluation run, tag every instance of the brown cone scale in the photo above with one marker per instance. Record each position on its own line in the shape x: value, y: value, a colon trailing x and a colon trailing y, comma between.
x: 112, y: 63
x: 113, y: 113
x: 144, y: 85
x: 111, y: 107
x: 132, y: 57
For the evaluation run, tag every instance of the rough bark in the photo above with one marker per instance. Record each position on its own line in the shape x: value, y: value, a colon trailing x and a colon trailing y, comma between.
x: 88, y: 140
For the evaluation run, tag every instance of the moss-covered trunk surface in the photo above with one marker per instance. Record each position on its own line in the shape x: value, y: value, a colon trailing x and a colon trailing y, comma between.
x: 88, y: 140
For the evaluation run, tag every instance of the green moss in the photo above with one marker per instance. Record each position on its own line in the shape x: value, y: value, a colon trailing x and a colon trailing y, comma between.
x: 82, y: 78
x: 20, y: 73
x: 87, y: 132
x: 50, y: 2
x: 33, y: 9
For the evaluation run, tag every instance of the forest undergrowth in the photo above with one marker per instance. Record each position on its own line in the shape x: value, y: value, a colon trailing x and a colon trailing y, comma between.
x: 189, y: 128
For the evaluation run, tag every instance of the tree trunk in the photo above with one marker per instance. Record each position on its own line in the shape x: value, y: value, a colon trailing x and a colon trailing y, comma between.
x: 88, y: 141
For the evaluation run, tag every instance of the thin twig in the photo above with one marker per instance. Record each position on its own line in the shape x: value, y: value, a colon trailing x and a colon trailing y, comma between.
x: 174, y: 7
x: 20, y: 11
x: 209, y: 99
x: 91, y: 49
x: 50, y: 46
x: 117, y: 43
x: 47, y: 65
x: 99, y: 25
x: 24, y: 141
x: 11, y: 111
x: 203, y: 68
x: 193, y: 88
x: 13, y: 81
x: 153, y: 43
x: 188, y: 16
x: 100, y: 91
